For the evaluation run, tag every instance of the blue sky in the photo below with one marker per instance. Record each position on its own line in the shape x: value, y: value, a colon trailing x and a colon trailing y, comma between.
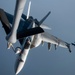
x: 40, y: 61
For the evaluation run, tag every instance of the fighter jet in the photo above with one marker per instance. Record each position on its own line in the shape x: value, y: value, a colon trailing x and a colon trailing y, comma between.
x: 28, y: 31
x: 73, y: 44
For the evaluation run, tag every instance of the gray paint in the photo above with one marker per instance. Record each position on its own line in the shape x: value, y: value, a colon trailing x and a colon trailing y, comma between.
x: 40, y: 61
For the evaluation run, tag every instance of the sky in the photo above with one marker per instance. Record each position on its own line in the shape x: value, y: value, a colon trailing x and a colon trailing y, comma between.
x: 40, y: 61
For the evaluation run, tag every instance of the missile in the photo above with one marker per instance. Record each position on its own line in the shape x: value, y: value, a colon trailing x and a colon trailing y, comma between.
x: 21, y: 61
x: 49, y: 46
x: 11, y: 37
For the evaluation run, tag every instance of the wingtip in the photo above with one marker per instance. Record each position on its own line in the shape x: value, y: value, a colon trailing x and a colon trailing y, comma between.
x: 68, y: 46
x: 49, y: 11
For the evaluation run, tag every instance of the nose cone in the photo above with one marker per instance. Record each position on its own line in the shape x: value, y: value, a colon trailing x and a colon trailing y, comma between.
x: 19, y: 65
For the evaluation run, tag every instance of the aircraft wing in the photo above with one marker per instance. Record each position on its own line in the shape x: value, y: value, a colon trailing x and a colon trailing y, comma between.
x: 46, y: 37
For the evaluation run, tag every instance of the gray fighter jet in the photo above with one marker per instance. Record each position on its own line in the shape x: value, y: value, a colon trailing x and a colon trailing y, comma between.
x: 28, y: 31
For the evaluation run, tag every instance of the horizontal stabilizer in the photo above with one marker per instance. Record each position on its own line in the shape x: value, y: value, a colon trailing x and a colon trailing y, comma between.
x: 29, y: 32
